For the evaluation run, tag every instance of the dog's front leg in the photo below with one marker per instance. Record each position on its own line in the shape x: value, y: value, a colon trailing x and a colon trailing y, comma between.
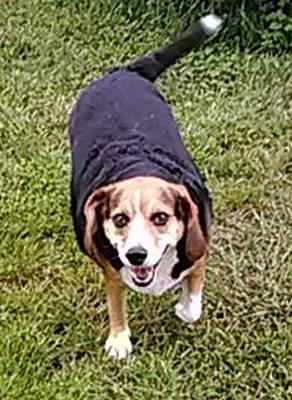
x: 118, y: 344
x: 189, y: 307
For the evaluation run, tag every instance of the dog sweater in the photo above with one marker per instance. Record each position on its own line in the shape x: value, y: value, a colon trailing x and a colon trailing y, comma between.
x: 120, y: 128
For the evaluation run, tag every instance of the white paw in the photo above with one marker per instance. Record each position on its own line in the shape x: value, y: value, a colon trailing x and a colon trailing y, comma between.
x: 190, y: 309
x: 119, y: 346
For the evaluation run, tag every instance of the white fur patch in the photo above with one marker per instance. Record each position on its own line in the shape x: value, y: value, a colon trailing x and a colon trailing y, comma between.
x: 189, y: 308
x: 162, y: 280
x: 138, y: 236
x: 119, y: 346
x: 211, y: 23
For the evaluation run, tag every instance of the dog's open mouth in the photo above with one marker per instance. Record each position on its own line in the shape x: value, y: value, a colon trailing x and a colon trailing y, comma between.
x: 143, y: 276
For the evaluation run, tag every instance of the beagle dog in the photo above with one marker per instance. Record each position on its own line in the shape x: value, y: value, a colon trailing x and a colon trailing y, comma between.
x: 140, y: 207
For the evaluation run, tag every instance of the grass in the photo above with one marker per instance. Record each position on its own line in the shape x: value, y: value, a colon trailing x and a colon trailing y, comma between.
x: 235, y: 111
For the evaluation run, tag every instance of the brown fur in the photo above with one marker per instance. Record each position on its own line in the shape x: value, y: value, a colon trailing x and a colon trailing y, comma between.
x: 115, y: 293
x: 159, y: 196
x: 195, y: 280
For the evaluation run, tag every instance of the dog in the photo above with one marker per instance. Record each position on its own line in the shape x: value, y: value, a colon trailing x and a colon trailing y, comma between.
x: 141, y: 209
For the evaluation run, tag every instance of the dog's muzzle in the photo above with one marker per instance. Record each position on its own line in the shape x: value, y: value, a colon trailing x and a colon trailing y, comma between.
x: 142, y: 275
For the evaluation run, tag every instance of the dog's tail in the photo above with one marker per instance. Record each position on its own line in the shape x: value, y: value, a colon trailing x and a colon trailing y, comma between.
x: 152, y: 65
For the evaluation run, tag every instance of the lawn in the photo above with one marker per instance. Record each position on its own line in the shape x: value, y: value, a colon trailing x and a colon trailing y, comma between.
x: 235, y: 111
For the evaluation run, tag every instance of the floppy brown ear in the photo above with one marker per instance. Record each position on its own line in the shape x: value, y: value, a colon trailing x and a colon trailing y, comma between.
x: 195, y: 242
x: 95, y: 212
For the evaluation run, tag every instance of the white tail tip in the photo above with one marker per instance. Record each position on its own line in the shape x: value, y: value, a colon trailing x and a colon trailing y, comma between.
x: 211, y: 23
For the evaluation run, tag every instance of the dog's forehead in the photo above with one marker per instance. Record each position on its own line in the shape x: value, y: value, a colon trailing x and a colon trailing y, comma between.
x: 125, y: 198
x: 142, y: 194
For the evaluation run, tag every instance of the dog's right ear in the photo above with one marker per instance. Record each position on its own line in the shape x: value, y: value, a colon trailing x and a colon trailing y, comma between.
x: 187, y: 210
x: 96, y: 210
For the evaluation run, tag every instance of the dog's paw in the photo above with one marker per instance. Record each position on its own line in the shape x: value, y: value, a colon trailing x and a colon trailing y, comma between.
x: 119, y: 346
x: 190, y: 309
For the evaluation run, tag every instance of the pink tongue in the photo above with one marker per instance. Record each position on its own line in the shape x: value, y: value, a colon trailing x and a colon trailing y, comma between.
x: 142, y: 273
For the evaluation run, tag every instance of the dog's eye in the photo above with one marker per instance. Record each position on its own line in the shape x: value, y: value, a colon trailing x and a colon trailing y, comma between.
x: 159, y: 219
x: 121, y: 220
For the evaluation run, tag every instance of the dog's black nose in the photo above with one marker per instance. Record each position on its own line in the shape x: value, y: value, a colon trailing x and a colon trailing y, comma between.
x: 136, y: 255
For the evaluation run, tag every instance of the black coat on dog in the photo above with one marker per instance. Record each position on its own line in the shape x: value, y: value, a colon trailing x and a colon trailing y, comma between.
x: 122, y: 127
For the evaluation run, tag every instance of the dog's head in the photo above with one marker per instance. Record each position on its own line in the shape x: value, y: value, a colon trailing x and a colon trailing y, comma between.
x: 143, y: 219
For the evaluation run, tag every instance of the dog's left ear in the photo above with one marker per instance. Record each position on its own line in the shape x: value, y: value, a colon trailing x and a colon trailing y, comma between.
x: 195, y: 242
x: 95, y: 212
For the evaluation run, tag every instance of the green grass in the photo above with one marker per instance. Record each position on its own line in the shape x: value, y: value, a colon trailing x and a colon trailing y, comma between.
x: 235, y: 111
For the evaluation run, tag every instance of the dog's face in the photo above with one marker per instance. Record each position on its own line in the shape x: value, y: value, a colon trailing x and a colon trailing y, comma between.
x: 143, y: 219
x: 142, y: 225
